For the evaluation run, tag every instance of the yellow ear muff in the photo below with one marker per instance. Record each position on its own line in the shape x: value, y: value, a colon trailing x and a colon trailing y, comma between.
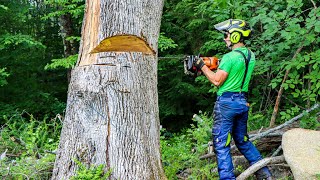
x: 235, y: 37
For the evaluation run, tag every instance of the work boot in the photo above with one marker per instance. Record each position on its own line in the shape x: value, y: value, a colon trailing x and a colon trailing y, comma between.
x: 268, y: 178
x: 263, y: 174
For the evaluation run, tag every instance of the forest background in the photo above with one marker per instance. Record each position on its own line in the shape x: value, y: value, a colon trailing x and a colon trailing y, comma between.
x: 39, y: 41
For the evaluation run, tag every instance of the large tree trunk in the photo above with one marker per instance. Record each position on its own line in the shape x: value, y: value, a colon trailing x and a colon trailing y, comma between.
x: 112, y: 108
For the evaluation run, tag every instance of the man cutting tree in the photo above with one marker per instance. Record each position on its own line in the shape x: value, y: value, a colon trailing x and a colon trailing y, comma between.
x: 231, y: 108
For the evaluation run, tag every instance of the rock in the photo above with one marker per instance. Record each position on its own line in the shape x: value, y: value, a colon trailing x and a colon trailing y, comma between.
x: 301, y: 149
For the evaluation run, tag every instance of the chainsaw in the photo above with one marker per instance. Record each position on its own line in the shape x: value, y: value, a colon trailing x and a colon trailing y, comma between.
x: 189, y: 68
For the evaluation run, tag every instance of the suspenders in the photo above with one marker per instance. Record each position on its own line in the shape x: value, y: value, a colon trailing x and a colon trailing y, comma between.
x: 247, y: 60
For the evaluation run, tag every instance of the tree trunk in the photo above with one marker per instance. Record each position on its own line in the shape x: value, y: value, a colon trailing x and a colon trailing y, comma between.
x: 112, y: 114
x: 65, y: 32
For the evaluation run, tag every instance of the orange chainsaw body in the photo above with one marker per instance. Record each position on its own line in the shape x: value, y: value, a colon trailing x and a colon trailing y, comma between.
x: 211, y: 62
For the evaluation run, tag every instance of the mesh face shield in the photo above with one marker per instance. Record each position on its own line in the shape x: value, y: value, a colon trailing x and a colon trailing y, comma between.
x: 223, y: 26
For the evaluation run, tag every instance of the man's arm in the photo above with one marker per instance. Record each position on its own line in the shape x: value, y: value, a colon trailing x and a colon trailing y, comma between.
x: 217, y: 78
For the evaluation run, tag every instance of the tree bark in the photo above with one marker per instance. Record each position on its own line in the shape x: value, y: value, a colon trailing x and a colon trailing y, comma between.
x: 66, y: 31
x: 112, y: 114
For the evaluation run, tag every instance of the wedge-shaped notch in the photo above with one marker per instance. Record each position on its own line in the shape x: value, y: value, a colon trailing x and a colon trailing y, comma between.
x: 123, y: 43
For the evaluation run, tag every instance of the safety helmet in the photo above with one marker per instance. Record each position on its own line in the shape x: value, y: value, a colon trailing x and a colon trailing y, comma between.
x: 236, y: 28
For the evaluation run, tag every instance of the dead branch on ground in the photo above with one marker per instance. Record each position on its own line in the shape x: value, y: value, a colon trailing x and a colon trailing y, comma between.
x: 255, y: 167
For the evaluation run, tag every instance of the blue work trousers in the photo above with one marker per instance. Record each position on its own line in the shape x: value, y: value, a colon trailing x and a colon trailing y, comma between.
x: 230, y: 121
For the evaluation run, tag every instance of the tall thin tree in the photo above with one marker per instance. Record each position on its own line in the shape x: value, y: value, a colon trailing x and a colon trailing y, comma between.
x: 112, y: 107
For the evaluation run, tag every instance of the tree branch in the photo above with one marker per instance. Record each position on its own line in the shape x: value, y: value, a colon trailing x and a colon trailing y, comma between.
x: 258, y: 165
x: 314, y: 4
x: 277, y: 151
x: 286, y: 123
x: 276, y: 106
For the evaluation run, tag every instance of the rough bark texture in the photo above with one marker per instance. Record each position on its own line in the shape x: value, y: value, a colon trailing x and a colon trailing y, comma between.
x: 112, y: 108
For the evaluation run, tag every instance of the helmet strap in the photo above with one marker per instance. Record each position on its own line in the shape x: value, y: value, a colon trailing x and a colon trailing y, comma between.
x: 230, y: 46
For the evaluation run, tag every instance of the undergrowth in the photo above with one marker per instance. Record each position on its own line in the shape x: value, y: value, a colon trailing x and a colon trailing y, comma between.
x: 90, y: 173
x: 181, y: 151
x: 27, y: 146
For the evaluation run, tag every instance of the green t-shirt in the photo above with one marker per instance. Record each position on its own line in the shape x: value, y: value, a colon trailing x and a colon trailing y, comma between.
x: 234, y: 64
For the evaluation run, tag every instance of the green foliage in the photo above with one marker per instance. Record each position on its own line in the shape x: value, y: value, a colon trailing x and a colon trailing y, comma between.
x: 27, y: 142
x: 23, y: 134
x: 68, y: 63
x: 30, y: 42
x: 281, y: 29
x: 181, y: 151
x: 27, y: 44
x: 8, y: 40
x: 73, y: 7
x: 284, y: 29
x: 3, y: 7
x: 91, y: 173
x: 256, y: 120
x: 165, y: 43
x: 289, y: 113
x: 3, y: 75
x: 27, y: 168
x: 73, y: 38
x: 310, y: 122
x: 176, y: 152
x: 179, y: 95
x: 311, y: 77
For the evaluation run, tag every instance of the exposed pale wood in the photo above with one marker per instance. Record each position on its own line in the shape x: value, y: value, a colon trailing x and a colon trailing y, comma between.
x: 258, y: 165
x: 112, y: 115
x: 123, y: 43
x: 116, y: 17
x: 90, y: 33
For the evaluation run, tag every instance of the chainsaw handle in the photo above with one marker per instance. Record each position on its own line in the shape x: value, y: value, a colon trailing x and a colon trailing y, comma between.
x: 211, y: 62
x: 190, y: 69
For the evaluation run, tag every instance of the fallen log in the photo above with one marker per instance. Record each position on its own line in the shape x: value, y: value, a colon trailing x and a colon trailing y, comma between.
x: 263, y: 134
x: 258, y: 165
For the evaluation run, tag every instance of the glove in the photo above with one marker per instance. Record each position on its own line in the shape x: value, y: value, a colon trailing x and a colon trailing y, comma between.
x: 198, y: 63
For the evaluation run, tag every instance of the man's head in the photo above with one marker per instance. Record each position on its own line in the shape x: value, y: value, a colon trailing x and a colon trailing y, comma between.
x: 234, y: 30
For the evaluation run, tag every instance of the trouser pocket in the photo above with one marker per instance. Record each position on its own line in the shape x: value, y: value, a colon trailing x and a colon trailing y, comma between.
x: 221, y: 139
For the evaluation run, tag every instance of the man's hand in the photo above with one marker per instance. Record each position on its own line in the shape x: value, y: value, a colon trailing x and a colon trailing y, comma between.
x: 198, y: 63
